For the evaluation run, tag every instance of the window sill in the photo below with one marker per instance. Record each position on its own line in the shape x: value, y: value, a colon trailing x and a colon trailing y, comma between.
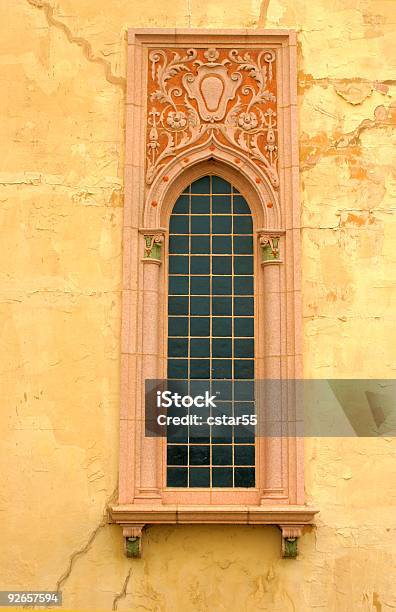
x: 133, y: 519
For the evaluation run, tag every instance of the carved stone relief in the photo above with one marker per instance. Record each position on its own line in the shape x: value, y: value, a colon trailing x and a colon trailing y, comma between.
x: 212, y: 95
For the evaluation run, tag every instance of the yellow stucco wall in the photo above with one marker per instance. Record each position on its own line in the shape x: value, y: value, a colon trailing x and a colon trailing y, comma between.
x: 62, y: 69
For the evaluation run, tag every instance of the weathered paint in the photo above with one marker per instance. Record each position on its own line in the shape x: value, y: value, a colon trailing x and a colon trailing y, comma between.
x: 61, y: 195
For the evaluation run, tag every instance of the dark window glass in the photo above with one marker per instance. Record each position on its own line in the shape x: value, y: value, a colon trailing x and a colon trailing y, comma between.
x: 240, y: 205
x: 222, y: 224
x: 181, y: 206
x: 221, y: 434
x: 221, y: 285
x: 219, y: 185
x: 177, y: 477
x: 199, y: 477
x: 243, y: 368
x: 178, y: 305
x: 243, y: 244
x: 243, y: 306
x: 199, y: 368
x: 178, y: 244
x: 221, y: 265
x: 178, y: 264
x: 199, y: 305
x: 178, y: 285
x: 244, y: 326
x: 177, y: 433
x: 177, y: 455
x: 243, y: 348
x: 199, y: 455
x: 179, y: 224
x: 200, y: 224
x: 243, y: 225
x: 243, y: 285
x: 200, y: 244
x: 221, y: 326
x: 177, y: 368
x: 222, y: 244
x: 177, y: 326
x: 210, y: 329
x: 244, y: 455
x: 199, y: 326
x: 221, y: 455
x: 221, y: 306
x: 200, y: 285
x: 221, y: 368
x: 243, y: 264
x: 221, y: 477
x: 200, y: 265
x: 222, y: 347
x: 199, y: 347
x: 178, y: 347
x: 202, y: 185
x: 244, y: 477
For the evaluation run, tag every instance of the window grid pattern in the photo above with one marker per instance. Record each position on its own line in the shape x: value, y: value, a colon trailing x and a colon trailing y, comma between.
x: 211, y: 334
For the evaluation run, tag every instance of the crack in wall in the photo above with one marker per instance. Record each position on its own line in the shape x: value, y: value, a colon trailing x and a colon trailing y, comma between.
x: 383, y: 117
x: 263, y: 13
x: 123, y: 593
x: 85, y: 548
x: 189, y: 13
x: 341, y: 86
x: 78, y: 40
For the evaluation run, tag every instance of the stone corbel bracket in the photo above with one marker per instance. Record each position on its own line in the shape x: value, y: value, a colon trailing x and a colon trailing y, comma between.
x: 153, y: 244
x: 270, y: 246
x: 290, y: 535
x: 132, y: 540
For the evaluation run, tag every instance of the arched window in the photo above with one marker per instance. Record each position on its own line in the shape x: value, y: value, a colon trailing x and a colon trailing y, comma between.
x: 211, y: 286
x: 211, y: 331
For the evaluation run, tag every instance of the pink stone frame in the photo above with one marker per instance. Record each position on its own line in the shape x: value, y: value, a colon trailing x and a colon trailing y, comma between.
x: 278, y: 497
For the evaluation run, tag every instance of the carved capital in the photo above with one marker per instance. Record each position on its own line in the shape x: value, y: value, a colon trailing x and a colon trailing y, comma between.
x: 133, y: 540
x: 270, y: 246
x: 153, y: 245
x: 290, y: 535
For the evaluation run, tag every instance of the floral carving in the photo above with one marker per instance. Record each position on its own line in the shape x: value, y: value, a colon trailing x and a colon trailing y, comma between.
x: 197, y: 96
x: 247, y: 121
x: 176, y: 120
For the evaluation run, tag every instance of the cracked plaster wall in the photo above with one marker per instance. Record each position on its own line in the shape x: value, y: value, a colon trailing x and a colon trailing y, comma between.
x: 62, y: 75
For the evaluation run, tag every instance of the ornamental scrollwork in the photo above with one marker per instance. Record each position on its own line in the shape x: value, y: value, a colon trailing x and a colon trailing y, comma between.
x: 199, y: 95
x: 153, y: 247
